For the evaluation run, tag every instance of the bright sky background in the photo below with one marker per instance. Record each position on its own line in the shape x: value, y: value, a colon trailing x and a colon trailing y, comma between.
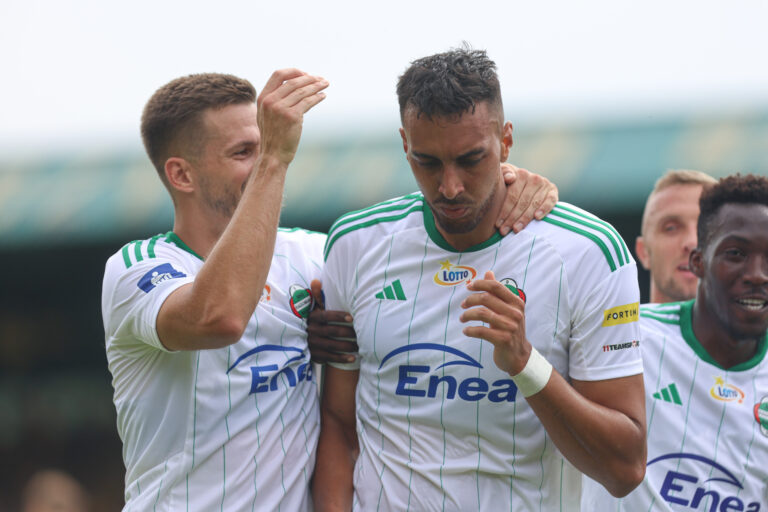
x: 76, y: 74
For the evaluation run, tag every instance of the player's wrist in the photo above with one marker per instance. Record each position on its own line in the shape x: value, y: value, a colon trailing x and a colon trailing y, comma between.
x: 534, y: 375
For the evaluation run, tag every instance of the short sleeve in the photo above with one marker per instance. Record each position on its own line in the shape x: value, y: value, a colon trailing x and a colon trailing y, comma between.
x: 132, y: 297
x: 605, y: 331
x: 336, y: 288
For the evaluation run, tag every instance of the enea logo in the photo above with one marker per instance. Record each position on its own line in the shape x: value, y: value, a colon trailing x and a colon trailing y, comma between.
x: 451, y: 275
x: 157, y: 275
x: 512, y: 285
x: 266, y: 378
x: 421, y: 380
x: 301, y: 300
x: 761, y: 415
x: 725, y: 392
x: 621, y: 314
x: 719, y: 487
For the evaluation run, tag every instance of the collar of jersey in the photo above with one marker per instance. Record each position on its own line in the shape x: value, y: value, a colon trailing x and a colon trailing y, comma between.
x: 434, y: 234
x: 686, y: 326
x: 174, y: 238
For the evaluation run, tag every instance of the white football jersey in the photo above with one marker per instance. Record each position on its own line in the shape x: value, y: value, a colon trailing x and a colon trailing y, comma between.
x: 440, y: 426
x: 225, y: 429
x: 707, y: 427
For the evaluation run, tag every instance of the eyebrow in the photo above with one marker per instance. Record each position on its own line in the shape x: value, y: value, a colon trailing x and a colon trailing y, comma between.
x: 468, y: 154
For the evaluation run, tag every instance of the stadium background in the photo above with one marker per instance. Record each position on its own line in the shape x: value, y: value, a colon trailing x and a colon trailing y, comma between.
x: 61, y: 217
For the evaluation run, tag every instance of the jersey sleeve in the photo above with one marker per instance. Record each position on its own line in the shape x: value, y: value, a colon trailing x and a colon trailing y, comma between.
x: 338, y: 273
x: 605, y: 331
x: 133, y: 294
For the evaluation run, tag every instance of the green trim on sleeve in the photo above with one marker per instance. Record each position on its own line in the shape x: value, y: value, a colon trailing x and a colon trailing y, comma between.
x: 591, y: 236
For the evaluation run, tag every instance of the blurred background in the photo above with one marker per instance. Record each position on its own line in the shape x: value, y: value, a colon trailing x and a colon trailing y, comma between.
x: 604, y: 96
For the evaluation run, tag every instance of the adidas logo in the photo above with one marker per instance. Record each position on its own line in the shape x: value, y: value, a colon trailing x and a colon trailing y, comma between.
x: 392, y: 292
x: 669, y: 394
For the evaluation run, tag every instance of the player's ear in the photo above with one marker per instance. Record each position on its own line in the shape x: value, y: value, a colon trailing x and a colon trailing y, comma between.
x: 696, y: 262
x: 506, y: 140
x: 405, y: 140
x: 178, y: 173
x: 642, y: 253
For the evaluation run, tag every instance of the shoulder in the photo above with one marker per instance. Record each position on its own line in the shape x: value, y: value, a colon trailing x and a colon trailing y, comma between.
x: 162, y: 246
x: 576, y: 233
x: 300, y: 243
x: 388, y: 216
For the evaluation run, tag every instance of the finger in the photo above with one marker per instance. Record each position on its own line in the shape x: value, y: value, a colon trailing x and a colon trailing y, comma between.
x: 303, y: 91
x: 322, y: 316
x: 509, y: 173
x: 497, y: 300
x: 514, y: 191
x: 496, y: 337
x: 277, y: 79
x: 549, y: 202
x: 326, y: 356
x: 334, y: 331
x: 316, y: 288
x: 331, y: 344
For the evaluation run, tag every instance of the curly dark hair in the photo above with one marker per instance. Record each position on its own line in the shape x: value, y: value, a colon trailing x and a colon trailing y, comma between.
x: 449, y: 84
x: 749, y: 189
x: 171, y: 121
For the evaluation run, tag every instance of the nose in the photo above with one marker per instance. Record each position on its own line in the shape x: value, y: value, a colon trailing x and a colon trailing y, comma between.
x: 756, y: 270
x: 691, y: 240
x: 451, y: 184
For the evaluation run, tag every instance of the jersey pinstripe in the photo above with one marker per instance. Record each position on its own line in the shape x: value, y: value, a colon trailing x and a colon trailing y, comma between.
x: 440, y: 427
x: 707, y: 427
x: 226, y: 429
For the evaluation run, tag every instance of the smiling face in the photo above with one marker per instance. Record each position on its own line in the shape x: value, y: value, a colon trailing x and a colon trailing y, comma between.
x: 669, y: 236
x: 456, y: 162
x: 733, y: 268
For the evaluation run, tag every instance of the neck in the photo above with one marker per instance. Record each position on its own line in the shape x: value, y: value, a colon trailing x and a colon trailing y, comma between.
x: 485, y: 229
x: 725, y: 347
x: 199, y: 230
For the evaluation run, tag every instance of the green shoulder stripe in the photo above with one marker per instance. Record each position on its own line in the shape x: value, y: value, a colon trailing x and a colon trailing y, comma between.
x: 598, y: 220
x: 135, y: 254
x: 594, y: 229
x: 591, y: 236
x: 336, y: 233
x: 398, y: 203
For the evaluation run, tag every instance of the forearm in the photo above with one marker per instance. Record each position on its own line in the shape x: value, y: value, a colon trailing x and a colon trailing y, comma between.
x: 332, y: 485
x: 214, y: 311
x: 607, y: 444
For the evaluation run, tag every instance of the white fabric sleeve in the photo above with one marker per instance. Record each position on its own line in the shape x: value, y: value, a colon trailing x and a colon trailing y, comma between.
x: 605, y: 329
x: 338, y: 277
x: 132, y: 297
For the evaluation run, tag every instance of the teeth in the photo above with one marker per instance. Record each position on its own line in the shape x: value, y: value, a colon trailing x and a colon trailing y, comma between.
x: 754, y: 304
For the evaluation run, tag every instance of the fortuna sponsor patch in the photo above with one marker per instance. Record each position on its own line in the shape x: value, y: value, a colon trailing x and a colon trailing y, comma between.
x: 451, y: 275
x: 625, y: 314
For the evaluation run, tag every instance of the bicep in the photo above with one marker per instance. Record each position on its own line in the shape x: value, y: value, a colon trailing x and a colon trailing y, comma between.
x: 624, y: 394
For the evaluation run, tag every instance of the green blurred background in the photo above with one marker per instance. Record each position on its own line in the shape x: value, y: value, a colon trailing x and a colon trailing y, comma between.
x: 62, y: 216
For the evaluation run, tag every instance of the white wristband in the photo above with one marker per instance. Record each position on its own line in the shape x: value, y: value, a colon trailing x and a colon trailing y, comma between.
x: 534, y: 376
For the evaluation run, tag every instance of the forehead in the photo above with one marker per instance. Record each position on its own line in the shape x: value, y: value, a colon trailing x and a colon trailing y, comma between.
x: 231, y: 122
x: 746, y: 221
x: 675, y: 200
x: 457, y: 133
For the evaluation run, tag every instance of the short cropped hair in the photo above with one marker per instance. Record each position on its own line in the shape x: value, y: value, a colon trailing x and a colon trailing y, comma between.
x: 675, y: 177
x: 172, y: 118
x: 449, y: 84
x: 738, y: 189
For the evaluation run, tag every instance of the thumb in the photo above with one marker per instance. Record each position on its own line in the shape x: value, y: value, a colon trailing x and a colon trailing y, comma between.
x: 489, y: 276
x: 317, y: 292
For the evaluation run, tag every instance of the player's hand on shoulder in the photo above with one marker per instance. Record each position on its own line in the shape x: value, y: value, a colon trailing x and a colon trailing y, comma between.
x: 529, y: 196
